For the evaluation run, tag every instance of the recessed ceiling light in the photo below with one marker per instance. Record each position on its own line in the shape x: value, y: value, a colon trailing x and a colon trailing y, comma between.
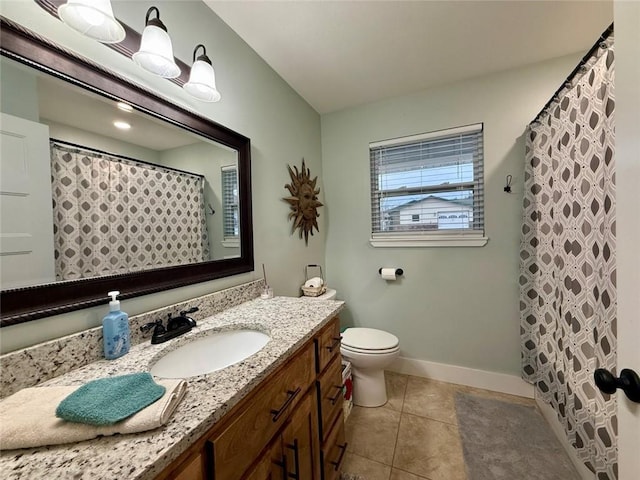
x: 122, y: 125
x: 125, y: 107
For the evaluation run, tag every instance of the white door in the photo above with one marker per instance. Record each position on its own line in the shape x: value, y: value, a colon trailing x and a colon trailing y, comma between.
x: 627, y: 71
x: 26, y: 213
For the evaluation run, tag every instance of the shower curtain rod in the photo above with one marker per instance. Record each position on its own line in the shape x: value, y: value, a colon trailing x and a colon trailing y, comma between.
x: 575, y: 71
x: 117, y: 156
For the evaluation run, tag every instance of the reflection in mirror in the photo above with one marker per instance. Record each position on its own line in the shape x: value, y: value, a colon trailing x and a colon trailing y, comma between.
x: 119, y: 191
x: 162, y: 204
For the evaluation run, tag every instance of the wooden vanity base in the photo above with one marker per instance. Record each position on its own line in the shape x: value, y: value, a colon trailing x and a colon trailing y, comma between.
x: 290, y: 426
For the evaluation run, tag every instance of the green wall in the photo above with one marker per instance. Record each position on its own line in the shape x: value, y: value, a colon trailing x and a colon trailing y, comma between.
x: 454, y: 305
x: 256, y: 102
x: 18, y: 91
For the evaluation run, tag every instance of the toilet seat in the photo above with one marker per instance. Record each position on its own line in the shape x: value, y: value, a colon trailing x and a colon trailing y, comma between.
x: 369, y: 340
x: 368, y: 351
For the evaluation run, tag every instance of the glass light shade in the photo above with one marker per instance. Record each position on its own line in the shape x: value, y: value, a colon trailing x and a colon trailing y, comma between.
x: 92, y: 18
x: 202, y: 82
x: 156, y: 53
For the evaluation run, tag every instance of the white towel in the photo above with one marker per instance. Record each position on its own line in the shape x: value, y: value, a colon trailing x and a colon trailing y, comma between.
x: 28, y: 417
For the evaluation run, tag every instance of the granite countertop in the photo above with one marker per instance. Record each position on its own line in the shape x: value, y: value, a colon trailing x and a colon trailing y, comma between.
x: 289, y: 322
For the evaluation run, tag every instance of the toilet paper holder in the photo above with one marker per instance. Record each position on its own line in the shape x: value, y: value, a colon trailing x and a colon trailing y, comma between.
x: 399, y: 271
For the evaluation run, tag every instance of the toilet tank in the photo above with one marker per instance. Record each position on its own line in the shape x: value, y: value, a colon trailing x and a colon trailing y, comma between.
x: 330, y: 294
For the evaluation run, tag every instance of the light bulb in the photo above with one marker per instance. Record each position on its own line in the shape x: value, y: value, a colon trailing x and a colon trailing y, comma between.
x: 93, y: 19
x: 202, y: 79
x: 156, y: 51
x: 91, y: 16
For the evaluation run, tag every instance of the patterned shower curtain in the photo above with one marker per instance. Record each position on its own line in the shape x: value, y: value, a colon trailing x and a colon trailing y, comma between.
x: 567, y: 260
x: 117, y: 215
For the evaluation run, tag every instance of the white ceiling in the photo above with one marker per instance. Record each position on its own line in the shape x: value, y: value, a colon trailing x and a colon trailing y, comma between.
x: 96, y: 114
x: 338, y: 54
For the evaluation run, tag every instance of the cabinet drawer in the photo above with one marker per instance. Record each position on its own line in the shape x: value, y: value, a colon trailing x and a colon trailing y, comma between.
x: 194, y: 470
x: 235, y: 448
x: 327, y: 344
x: 330, y: 395
x: 334, y: 450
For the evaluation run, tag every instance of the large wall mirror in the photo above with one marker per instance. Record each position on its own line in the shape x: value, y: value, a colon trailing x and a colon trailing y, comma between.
x: 105, y: 186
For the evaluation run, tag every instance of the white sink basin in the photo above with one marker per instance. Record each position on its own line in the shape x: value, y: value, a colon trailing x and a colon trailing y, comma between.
x: 208, y: 354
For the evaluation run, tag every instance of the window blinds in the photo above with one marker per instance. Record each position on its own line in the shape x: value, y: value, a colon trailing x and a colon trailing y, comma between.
x: 230, y: 201
x: 429, y: 183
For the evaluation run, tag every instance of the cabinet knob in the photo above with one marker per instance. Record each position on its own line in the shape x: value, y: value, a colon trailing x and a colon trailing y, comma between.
x: 628, y: 381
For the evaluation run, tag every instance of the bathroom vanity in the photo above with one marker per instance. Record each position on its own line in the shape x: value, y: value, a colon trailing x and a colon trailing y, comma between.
x: 277, y: 414
x: 290, y: 426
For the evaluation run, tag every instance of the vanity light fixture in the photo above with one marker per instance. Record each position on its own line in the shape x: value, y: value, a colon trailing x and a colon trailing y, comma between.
x: 93, y: 19
x: 121, y: 125
x: 202, y: 79
x: 156, y: 52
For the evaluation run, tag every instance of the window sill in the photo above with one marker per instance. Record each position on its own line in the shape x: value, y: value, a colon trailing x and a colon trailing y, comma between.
x: 402, y: 241
x: 231, y: 243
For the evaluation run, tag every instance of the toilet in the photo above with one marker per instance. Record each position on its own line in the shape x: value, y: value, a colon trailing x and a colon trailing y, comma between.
x: 369, y: 351
x: 330, y: 294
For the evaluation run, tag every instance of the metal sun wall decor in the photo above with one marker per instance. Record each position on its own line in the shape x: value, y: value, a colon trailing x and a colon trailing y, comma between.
x: 303, y: 201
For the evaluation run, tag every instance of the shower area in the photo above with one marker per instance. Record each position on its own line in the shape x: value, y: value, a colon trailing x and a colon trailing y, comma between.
x: 567, y: 258
x: 114, y: 214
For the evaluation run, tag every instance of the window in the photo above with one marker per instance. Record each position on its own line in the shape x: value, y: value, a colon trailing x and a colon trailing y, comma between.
x: 230, y: 212
x: 427, y: 189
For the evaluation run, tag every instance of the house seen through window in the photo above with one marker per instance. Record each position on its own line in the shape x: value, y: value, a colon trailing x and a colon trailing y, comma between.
x: 428, y: 184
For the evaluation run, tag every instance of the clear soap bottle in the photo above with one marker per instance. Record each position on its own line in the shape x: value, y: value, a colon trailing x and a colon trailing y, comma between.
x: 115, y: 330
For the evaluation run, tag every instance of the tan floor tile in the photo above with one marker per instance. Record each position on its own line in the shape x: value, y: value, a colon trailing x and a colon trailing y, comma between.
x: 431, y: 399
x: 372, y: 433
x: 368, y: 469
x: 402, y: 475
x: 429, y: 448
x: 396, y: 385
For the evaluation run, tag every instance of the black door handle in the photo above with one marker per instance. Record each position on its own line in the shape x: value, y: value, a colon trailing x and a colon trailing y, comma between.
x: 628, y: 381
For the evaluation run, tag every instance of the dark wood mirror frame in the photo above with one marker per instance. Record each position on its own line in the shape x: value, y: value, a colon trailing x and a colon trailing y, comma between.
x: 30, y: 303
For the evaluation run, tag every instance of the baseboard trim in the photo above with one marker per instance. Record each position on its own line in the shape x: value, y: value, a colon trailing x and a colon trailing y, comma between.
x: 497, y: 382
x: 551, y: 417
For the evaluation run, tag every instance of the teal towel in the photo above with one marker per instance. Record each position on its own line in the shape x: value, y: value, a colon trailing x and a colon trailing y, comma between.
x: 109, y: 400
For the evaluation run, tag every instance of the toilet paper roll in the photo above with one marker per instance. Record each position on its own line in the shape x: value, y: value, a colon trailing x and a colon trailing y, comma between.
x: 389, y: 273
x: 314, y: 282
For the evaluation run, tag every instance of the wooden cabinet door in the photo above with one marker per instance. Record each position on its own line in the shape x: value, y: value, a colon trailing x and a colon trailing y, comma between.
x: 272, y: 464
x: 264, y: 416
x: 300, y: 440
x: 333, y: 450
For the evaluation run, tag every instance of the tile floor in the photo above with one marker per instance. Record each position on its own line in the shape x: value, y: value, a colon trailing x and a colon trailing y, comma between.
x: 415, y: 435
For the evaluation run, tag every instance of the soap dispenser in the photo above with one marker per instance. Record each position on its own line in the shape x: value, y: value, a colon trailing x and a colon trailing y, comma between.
x: 115, y: 330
